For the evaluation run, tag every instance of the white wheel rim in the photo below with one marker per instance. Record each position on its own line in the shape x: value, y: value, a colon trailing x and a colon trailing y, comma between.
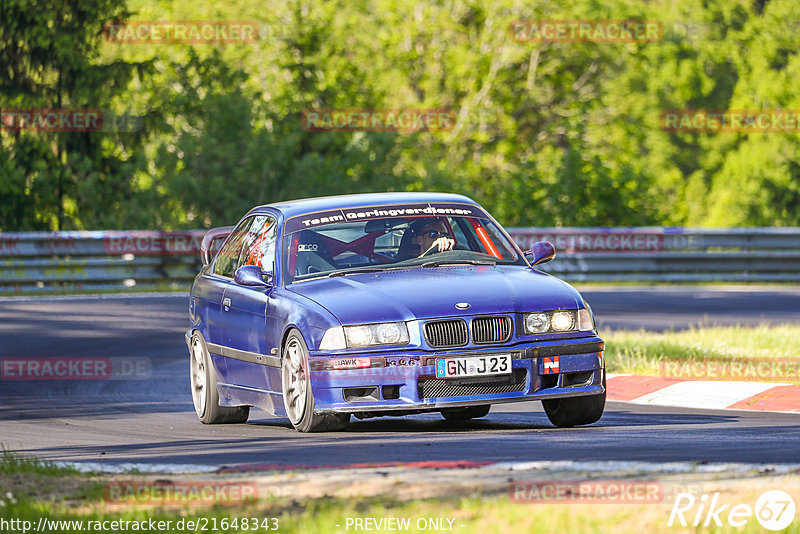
x: 295, y: 381
x: 198, y: 377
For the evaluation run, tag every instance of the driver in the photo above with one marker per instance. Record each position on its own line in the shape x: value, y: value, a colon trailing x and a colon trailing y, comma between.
x: 433, y: 237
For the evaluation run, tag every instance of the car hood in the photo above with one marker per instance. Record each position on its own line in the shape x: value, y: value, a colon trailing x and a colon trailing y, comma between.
x: 405, y: 295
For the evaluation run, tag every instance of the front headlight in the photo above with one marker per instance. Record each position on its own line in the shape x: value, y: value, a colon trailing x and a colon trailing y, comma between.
x: 558, y: 321
x: 537, y: 323
x: 562, y: 321
x: 376, y: 334
x: 389, y: 333
x: 358, y: 336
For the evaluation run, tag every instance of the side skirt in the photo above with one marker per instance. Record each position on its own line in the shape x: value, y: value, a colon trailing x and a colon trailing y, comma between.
x: 268, y: 401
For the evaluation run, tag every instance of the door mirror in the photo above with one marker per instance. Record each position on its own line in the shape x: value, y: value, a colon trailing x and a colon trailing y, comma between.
x: 251, y: 275
x: 540, y: 252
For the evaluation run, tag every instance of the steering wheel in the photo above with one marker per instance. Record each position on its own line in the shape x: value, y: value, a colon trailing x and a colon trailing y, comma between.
x: 432, y: 250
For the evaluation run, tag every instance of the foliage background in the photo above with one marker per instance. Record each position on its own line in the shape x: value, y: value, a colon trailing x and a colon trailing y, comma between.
x: 549, y: 134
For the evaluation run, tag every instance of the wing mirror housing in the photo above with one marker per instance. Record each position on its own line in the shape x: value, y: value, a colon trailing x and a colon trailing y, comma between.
x: 252, y: 276
x: 540, y: 253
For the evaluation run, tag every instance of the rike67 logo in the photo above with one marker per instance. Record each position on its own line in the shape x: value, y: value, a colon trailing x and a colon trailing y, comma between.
x: 774, y: 510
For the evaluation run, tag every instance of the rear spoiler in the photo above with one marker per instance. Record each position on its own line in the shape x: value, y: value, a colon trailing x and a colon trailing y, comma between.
x: 212, y: 238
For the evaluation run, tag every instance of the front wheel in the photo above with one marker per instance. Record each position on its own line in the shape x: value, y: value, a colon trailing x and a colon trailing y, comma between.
x: 204, y: 388
x: 575, y: 411
x: 298, y: 399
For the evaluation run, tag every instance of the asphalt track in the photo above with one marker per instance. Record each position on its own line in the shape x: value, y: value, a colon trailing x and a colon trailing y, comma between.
x: 151, y: 421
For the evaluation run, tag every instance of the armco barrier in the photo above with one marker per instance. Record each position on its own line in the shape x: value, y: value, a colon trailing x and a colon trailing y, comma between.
x: 38, y: 261
x: 664, y: 254
x: 43, y: 261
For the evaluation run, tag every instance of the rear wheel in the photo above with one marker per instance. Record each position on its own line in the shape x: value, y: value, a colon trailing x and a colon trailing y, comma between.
x: 204, y: 388
x: 575, y: 411
x: 468, y: 412
x: 298, y: 399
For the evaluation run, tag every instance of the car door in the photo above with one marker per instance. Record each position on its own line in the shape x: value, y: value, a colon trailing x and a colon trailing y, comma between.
x: 244, y: 310
x: 211, y: 294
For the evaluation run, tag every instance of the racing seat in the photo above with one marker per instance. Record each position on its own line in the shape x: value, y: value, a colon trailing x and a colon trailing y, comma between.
x: 313, y: 255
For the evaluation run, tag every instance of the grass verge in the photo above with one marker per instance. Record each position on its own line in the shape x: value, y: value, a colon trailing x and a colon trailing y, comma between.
x: 12, y: 463
x: 79, y: 504
x: 494, y: 514
x: 753, y: 353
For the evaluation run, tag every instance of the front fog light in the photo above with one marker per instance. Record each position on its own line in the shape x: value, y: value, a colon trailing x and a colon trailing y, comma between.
x: 358, y: 336
x: 536, y: 323
x: 585, y: 321
x: 562, y: 321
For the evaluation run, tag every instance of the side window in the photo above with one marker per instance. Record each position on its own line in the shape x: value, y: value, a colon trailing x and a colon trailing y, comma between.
x: 458, y: 233
x: 259, y: 244
x: 463, y: 229
x: 228, y: 256
x: 500, y: 243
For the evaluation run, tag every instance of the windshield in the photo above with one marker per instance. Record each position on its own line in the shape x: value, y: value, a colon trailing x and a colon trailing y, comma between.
x: 315, y: 246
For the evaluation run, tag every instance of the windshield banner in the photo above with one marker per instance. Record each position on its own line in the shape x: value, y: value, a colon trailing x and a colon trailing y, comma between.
x: 366, y: 213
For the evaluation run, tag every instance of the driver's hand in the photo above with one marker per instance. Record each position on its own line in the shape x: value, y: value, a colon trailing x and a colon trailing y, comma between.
x: 442, y: 243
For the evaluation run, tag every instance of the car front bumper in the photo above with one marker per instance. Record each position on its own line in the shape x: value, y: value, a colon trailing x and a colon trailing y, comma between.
x: 407, y: 380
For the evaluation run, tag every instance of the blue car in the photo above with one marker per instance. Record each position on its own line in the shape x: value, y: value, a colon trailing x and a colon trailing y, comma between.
x: 385, y: 304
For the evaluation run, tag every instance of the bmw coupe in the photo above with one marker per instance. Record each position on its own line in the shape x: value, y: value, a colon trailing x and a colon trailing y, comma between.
x: 385, y: 304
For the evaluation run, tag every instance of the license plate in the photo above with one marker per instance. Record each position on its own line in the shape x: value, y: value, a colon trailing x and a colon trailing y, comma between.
x: 497, y: 364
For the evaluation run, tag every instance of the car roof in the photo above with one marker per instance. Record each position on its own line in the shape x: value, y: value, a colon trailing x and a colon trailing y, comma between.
x: 290, y: 208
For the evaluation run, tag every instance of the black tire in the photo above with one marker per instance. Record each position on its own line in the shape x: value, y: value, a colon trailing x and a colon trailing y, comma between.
x: 298, y: 399
x: 205, y: 397
x: 468, y: 412
x: 575, y: 411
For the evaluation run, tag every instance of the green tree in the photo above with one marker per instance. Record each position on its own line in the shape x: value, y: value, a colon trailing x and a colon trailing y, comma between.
x: 48, y: 59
